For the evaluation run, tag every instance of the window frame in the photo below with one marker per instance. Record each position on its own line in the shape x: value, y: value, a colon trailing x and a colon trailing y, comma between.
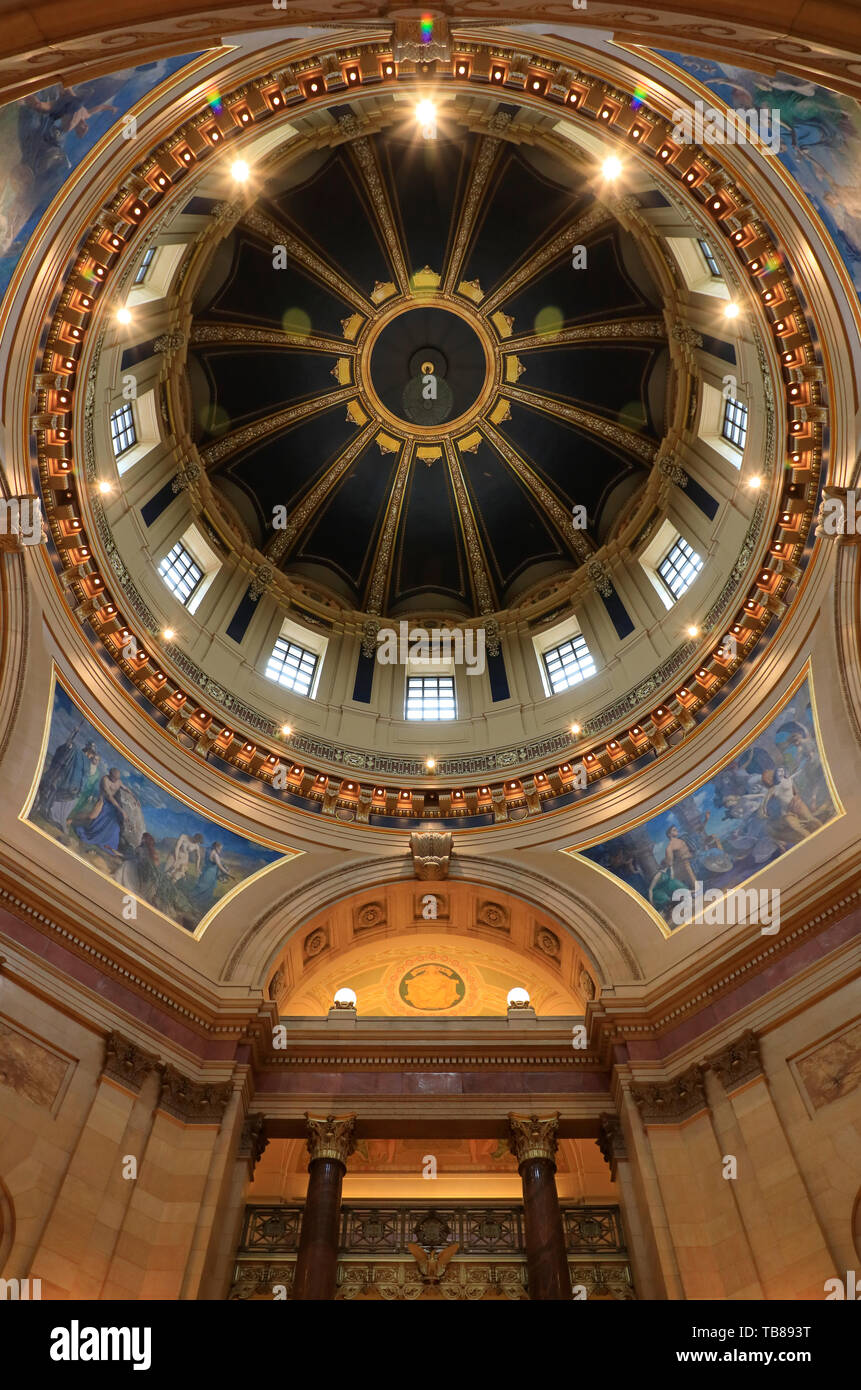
x: 680, y: 544
x: 128, y: 430
x: 193, y: 563
x: 554, y: 651
x: 424, y: 681
x: 734, y: 423
x: 308, y: 677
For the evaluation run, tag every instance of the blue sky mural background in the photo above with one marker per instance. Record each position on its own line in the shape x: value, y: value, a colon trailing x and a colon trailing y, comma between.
x: 45, y: 135
x: 769, y: 798
x: 142, y: 866
x: 820, y: 141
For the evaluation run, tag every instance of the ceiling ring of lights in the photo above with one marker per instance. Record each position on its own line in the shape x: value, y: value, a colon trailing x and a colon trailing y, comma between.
x: 59, y: 395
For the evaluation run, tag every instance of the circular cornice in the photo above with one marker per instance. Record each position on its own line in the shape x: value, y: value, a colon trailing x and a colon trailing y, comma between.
x: 586, y: 99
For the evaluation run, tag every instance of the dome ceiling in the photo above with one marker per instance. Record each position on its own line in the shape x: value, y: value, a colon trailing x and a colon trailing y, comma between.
x: 294, y: 389
x: 430, y: 366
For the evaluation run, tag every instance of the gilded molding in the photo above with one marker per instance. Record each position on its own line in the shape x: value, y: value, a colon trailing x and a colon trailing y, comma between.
x: 475, y: 554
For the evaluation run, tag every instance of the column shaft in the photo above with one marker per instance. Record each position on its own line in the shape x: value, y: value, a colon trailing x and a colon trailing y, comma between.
x: 546, y: 1257
x: 317, y: 1261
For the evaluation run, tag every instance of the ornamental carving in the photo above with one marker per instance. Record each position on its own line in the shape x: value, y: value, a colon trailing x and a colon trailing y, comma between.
x: 276, y: 984
x: 253, y: 1140
x: 738, y: 1062
x: 587, y: 985
x: 126, y: 1062
x: 494, y: 915
x: 431, y: 854
x: 669, y: 1102
x: 331, y: 1136
x: 533, y: 1136
x: 611, y: 1141
x: 315, y: 942
x: 369, y: 915
x: 193, y: 1102
x: 547, y: 942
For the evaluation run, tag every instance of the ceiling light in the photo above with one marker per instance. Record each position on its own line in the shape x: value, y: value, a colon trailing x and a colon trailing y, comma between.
x: 612, y: 167
x: 124, y: 315
x: 286, y: 730
x: 168, y: 634
x: 239, y: 170
x: 731, y: 310
x: 693, y: 631
x: 755, y: 481
x: 426, y: 117
x: 518, y: 998
x: 345, y: 998
x: 430, y: 764
x: 105, y: 487
x: 576, y: 729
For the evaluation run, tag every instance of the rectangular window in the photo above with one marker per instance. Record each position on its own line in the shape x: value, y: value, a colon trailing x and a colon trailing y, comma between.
x: 292, y: 666
x: 680, y: 567
x: 568, y: 664
x: 735, y: 423
x: 141, y: 273
x: 123, y: 432
x: 181, y: 573
x: 708, y: 257
x: 430, y: 697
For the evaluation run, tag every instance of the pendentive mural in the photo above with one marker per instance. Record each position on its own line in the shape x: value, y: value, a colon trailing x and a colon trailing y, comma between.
x: 46, y: 134
x: 120, y: 820
x: 768, y: 797
x: 819, y: 140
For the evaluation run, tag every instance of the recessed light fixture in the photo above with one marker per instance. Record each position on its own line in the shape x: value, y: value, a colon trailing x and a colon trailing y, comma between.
x: 576, y: 729
x: 731, y: 310
x: 286, y: 730
x: 612, y: 167
x: 124, y: 315
x: 693, y: 631
x: 168, y: 634
x: 239, y: 170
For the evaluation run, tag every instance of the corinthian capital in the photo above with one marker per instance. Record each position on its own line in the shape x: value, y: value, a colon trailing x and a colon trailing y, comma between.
x: 331, y: 1136
x: 533, y: 1136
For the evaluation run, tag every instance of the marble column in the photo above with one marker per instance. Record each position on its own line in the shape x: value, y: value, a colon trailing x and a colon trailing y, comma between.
x: 533, y: 1142
x: 330, y: 1143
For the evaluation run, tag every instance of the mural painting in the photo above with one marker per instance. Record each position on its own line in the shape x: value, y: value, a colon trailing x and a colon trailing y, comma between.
x: 120, y: 820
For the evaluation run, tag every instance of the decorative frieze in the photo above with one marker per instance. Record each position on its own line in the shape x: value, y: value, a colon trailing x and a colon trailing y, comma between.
x: 737, y: 1062
x: 669, y: 1102
x: 128, y: 1063
x: 193, y: 1102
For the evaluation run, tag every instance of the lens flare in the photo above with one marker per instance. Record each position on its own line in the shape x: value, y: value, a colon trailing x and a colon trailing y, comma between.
x: 426, y: 28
